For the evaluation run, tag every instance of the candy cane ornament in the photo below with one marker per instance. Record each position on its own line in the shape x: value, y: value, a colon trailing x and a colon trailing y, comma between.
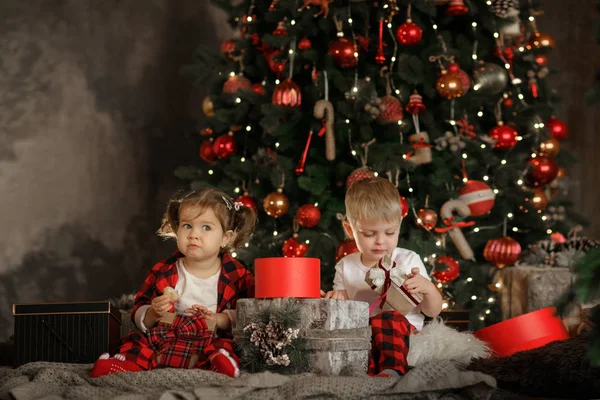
x: 324, y: 109
x: 453, y: 229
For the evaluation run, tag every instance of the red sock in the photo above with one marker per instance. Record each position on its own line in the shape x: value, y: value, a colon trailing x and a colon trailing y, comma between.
x: 224, y: 363
x: 106, y: 366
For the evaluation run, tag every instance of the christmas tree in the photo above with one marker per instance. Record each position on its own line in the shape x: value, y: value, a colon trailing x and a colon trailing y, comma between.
x: 447, y: 99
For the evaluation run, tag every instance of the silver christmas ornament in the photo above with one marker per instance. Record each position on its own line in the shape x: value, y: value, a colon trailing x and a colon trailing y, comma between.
x: 489, y: 78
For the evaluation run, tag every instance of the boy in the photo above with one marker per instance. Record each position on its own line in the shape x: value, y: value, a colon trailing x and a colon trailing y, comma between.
x: 373, y: 218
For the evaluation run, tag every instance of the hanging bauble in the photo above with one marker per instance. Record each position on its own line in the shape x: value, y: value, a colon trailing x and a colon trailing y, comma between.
x: 557, y: 128
x: 453, y: 83
x: 281, y: 30
x: 206, y: 151
x: 348, y: 246
x: 224, y: 146
x: 446, y: 269
x: 292, y: 248
x: 276, y: 63
x: 227, y: 48
x: 508, y: 102
x: 415, y: 104
x: 502, y: 8
x: 248, y: 201
x: 259, y: 89
x: 404, y: 206
x: 206, y: 132
x: 208, y: 108
x: 235, y: 83
x: 505, y: 136
x: 391, y: 110
x: 478, y: 196
x: 489, y: 78
x: 541, y: 59
x: 502, y: 251
x: 426, y: 218
x: 359, y: 174
x: 541, y: 40
x: 342, y: 50
x: 304, y: 44
x: 409, y: 33
x: 550, y: 147
x: 557, y: 237
x: 308, y: 215
x: 287, y: 94
x: 276, y: 204
x: 456, y: 8
x: 543, y: 170
x: 539, y: 199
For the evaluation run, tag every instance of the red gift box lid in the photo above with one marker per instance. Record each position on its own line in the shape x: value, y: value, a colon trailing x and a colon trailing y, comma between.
x: 287, y: 277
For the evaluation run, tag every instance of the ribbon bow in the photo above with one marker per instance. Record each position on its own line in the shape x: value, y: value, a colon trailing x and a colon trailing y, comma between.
x: 190, y: 329
x: 419, y: 144
x: 450, y: 225
x: 387, y: 282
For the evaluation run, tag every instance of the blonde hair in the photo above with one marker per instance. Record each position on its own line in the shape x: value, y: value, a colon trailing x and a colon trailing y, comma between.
x: 231, y: 215
x: 373, y: 199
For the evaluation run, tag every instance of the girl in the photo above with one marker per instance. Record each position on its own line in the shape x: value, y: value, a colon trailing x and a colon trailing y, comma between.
x: 200, y: 282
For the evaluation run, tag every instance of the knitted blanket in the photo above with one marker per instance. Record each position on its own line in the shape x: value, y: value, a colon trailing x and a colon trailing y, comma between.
x: 53, y: 381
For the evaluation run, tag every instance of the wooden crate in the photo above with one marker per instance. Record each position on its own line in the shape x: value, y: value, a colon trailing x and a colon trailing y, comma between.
x: 65, y: 332
x: 457, y: 319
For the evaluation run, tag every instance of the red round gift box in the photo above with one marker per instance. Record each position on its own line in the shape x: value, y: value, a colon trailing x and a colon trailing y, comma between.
x: 525, y: 332
x: 287, y: 277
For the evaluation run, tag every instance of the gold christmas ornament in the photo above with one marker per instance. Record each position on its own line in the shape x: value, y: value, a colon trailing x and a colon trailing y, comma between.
x: 426, y: 218
x: 276, y: 204
x: 208, y: 108
x: 539, y: 199
x: 542, y: 40
x: 453, y: 83
x: 550, y: 147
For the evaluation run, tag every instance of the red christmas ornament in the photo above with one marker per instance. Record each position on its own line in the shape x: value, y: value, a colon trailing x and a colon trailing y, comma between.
x: 206, y: 151
x: 478, y: 196
x: 276, y: 63
x: 415, y: 104
x: 248, y: 201
x: 342, y: 50
x: 304, y: 44
x: 426, y: 218
x: 292, y: 248
x: 206, y: 132
x: 446, y: 269
x: 287, y: 94
x: 308, y: 216
x: 456, y: 8
x: 348, y: 246
x: 280, y: 30
x: 227, y: 48
x: 380, y: 56
x: 409, y: 33
x: 557, y: 128
x: 359, y: 174
x: 505, y: 136
x: 502, y: 251
x: 507, y: 102
x: 392, y: 110
x: 235, y: 83
x: 258, y: 88
x: 404, y: 206
x: 543, y: 170
x: 363, y: 42
x: 541, y: 59
x: 224, y: 146
x: 558, y: 237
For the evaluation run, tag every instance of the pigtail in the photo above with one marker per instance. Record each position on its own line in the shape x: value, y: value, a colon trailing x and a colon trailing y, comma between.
x: 170, y: 220
x: 243, y: 224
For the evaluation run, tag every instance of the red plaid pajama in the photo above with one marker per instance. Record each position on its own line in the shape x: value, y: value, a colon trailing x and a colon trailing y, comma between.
x: 389, y: 342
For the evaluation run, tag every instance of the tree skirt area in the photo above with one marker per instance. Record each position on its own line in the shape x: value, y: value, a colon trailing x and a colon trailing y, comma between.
x: 53, y: 381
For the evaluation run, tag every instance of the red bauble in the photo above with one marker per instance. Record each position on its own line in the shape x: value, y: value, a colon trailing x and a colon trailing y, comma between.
x: 507, y: 102
x: 227, y: 48
x: 342, y: 50
x: 287, y: 94
x: 404, y: 206
x: 224, y: 146
x: 248, y: 201
x: 502, y: 251
x: 308, y: 216
x: 543, y: 170
x: 505, y: 137
x: 235, y: 83
x: 292, y: 248
x: 426, y: 218
x: 558, y: 237
x: 280, y: 30
x: 409, y: 33
x: 359, y: 174
x: 557, y: 128
x: 276, y: 63
x: 206, y: 151
x: 304, y: 44
x: 348, y: 246
x: 478, y: 196
x: 392, y: 110
x: 541, y: 59
x: 456, y: 8
x: 258, y: 88
x: 446, y: 269
x: 415, y: 104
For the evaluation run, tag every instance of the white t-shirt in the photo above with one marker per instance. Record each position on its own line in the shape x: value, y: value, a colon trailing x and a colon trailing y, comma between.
x: 192, y: 290
x: 350, y: 276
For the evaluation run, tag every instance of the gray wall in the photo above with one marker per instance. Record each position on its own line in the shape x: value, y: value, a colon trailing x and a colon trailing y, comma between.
x: 93, y: 115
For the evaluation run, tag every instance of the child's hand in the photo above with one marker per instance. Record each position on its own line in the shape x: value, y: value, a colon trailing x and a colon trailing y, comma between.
x: 196, y: 308
x: 161, y: 305
x: 337, y: 295
x: 417, y: 283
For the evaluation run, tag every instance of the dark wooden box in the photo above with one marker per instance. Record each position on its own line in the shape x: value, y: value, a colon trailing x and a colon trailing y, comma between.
x: 457, y: 319
x: 65, y: 332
